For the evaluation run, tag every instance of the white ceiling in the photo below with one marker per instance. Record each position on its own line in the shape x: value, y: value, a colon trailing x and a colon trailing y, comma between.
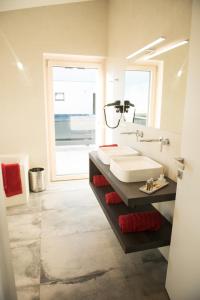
x: 6, y: 5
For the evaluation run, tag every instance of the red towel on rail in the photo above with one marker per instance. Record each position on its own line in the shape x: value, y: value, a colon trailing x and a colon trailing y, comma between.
x: 99, y: 181
x: 111, y: 145
x: 11, y: 179
x: 112, y: 198
x: 141, y: 221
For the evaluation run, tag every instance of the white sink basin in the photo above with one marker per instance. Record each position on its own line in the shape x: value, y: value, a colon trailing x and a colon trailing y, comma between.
x: 107, y: 153
x: 135, y: 168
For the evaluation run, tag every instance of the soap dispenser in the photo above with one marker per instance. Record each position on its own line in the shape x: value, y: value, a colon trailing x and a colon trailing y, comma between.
x: 161, y: 180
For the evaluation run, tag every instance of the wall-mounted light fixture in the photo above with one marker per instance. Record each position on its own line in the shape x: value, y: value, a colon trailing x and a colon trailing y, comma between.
x: 147, y: 47
x: 165, y: 49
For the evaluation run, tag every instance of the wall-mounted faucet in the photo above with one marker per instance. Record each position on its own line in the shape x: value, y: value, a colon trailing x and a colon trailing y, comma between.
x: 163, y: 141
x: 138, y: 133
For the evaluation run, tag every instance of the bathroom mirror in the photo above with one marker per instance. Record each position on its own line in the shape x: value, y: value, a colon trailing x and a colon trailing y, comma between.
x: 158, y: 90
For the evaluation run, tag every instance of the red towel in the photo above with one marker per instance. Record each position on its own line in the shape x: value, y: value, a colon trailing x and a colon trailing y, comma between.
x: 11, y: 179
x: 100, y: 180
x: 141, y: 221
x: 113, y: 198
x: 111, y: 145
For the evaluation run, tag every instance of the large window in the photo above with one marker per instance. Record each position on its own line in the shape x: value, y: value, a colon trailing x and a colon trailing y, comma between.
x: 139, y: 90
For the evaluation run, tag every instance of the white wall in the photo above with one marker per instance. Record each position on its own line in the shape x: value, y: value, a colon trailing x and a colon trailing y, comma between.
x: 6, y: 5
x: 174, y: 88
x: 135, y: 23
x: 183, y: 275
x: 131, y: 25
x: 78, y: 28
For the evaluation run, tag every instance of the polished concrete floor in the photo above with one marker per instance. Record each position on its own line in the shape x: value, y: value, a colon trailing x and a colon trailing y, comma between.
x: 64, y: 249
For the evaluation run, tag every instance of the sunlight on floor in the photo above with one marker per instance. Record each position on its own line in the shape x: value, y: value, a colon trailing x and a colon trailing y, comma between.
x: 72, y: 159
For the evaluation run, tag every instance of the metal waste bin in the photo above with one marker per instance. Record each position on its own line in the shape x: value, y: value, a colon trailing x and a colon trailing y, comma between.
x: 37, y: 180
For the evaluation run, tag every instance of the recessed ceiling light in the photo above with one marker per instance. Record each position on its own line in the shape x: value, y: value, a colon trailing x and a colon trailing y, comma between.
x: 149, y: 46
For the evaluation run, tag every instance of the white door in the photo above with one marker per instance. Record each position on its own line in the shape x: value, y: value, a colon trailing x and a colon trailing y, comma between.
x: 75, y: 115
x: 183, y: 276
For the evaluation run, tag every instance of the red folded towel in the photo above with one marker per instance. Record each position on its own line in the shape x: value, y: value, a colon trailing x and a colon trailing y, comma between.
x: 100, y: 180
x: 11, y: 179
x: 141, y: 221
x: 112, y: 198
x: 111, y: 145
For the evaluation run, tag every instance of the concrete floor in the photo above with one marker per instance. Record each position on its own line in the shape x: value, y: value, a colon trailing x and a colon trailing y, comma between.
x: 63, y: 248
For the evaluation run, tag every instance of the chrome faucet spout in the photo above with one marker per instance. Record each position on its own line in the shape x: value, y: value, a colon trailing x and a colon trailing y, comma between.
x: 129, y: 132
x: 150, y: 140
x: 161, y: 140
x: 138, y: 133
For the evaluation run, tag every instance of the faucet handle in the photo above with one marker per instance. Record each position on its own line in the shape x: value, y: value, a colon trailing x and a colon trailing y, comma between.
x: 163, y: 142
x: 139, y: 133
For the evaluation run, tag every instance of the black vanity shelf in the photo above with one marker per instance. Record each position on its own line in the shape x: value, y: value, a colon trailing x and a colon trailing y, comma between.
x: 134, y: 201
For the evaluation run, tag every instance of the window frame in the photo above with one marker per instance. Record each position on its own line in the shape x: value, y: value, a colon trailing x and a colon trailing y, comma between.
x: 153, y: 68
